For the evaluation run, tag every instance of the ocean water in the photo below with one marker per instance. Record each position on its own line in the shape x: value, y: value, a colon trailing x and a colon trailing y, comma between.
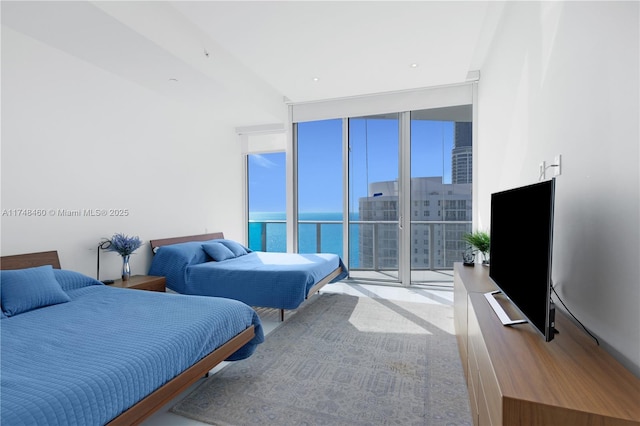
x: 330, y: 233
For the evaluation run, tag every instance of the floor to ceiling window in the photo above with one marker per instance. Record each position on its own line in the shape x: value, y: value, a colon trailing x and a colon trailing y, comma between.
x: 441, y: 178
x: 319, y: 151
x: 389, y: 190
x: 373, y: 196
x: 266, y: 193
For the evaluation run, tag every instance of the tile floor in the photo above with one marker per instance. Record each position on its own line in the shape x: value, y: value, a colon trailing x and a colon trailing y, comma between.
x: 271, y: 319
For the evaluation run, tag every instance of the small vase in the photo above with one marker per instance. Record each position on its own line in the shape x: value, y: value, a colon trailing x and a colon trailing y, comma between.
x: 126, y: 268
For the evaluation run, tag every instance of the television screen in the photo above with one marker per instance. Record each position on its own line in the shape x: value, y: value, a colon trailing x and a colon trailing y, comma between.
x: 521, y: 249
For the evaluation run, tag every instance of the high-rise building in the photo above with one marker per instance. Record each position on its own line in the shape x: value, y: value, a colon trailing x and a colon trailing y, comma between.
x: 434, y: 243
x: 461, y: 154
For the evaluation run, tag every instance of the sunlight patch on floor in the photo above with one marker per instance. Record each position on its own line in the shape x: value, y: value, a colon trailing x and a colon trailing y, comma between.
x: 372, y: 317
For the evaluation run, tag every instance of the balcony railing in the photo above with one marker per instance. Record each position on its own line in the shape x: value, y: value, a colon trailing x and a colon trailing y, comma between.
x: 435, y: 245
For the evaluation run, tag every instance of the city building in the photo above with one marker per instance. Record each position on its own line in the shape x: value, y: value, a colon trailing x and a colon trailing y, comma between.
x: 434, y: 242
x: 462, y: 155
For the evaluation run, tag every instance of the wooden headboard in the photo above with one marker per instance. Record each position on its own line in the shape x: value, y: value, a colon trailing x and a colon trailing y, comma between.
x: 30, y: 260
x: 176, y: 240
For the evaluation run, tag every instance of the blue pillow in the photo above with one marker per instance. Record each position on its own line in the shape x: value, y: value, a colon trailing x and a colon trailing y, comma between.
x: 237, y: 248
x: 218, y: 251
x: 23, y: 290
x: 71, y: 280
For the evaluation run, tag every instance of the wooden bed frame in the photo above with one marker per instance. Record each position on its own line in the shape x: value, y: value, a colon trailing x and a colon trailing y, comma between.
x: 176, y: 240
x: 31, y: 260
x: 157, y: 399
x: 216, y: 235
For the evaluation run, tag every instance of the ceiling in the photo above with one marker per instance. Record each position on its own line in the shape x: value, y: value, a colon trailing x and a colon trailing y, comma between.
x: 242, y: 60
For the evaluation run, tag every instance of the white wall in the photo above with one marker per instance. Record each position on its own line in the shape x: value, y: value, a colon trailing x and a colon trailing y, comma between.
x: 75, y: 136
x: 563, y: 78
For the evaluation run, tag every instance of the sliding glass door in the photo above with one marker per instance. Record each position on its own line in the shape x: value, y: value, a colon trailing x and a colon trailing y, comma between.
x: 374, y: 197
x: 440, y: 190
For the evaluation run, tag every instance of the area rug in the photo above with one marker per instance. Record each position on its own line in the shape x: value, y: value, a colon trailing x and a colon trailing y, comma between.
x: 343, y: 360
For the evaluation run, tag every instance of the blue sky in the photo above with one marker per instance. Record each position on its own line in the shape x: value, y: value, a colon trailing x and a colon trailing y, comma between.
x: 373, y: 158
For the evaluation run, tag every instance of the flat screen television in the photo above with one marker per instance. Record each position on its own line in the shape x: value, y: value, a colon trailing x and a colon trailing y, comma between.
x: 521, y: 251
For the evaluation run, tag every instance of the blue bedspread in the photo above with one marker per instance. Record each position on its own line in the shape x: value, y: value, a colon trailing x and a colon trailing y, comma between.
x: 265, y: 279
x: 86, y: 361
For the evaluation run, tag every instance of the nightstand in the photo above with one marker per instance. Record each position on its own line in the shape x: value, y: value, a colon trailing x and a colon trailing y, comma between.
x: 141, y: 282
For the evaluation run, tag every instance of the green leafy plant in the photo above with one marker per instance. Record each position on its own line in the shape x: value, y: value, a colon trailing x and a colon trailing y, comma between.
x: 481, y: 241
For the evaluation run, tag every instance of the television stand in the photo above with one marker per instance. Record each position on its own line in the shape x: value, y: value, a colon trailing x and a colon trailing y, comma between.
x: 514, y: 377
x: 500, y: 312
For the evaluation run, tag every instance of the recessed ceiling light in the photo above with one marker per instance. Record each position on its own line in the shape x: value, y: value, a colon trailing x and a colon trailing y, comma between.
x: 414, y: 65
x: 316, y: 79
x: 175, y: 80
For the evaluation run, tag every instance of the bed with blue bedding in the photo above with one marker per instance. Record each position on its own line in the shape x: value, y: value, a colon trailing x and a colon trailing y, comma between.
x: 77, y: 352
x: 200, y: 265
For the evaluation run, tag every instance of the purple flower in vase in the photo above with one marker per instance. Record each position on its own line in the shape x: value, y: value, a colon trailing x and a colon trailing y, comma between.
x: 124, y: 245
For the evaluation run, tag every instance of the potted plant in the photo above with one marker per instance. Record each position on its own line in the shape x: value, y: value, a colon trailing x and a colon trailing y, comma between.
x: 481, y: 241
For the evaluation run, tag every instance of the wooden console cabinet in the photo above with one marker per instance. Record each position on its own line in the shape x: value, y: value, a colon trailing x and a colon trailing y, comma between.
x: 514, y: 377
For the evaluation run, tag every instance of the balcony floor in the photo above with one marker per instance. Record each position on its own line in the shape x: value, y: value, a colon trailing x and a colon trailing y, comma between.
x: 440, y: 278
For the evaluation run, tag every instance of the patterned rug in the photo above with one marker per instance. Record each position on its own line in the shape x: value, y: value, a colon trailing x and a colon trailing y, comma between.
x: 343, y: 360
